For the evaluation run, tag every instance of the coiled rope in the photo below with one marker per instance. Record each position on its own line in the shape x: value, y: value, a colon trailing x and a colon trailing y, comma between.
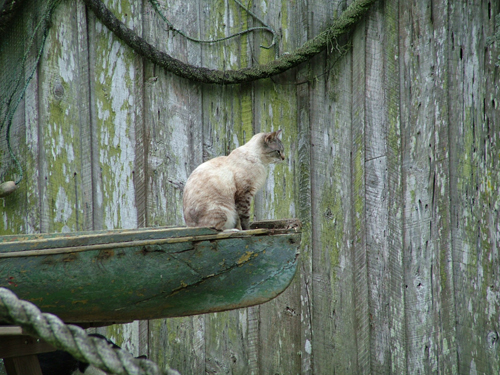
x: 73, y: 339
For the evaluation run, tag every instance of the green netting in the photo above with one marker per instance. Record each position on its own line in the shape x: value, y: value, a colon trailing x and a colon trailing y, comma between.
x: 21, y: 47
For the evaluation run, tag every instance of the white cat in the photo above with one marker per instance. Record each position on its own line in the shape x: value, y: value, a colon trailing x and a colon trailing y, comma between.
x: 219, y: 192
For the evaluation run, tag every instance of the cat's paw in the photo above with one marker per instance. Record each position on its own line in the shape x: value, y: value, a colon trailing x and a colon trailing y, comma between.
x: 231, y: 230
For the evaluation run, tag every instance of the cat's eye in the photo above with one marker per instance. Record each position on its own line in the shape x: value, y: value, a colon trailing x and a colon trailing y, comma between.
x: 278, y: 152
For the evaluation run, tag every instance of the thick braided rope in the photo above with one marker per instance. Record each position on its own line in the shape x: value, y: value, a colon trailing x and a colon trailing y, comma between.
x: 73, y: 339
x: 312, y: 47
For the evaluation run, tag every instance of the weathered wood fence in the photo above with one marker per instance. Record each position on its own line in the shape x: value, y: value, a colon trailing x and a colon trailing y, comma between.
x: 393, y: 153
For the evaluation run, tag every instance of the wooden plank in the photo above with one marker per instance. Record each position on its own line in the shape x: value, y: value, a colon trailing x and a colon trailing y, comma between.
x: 10, y: 330
x: 302, y: 183
x: 443, y: 286
x: 31, y: 213
x: 490, y: 184
x: 333, y: 348
x: 116, y: 81
x: 178, y: 342
x: 419, y: 253
x: 429, y: 285
x: 93, y: 143
x: 384, y: 194
x: 173, y: 134
x: 85, y: 188
x: 59, y: 137
x: 22, y: 345
x: 23, y: 365
x: 475, y: 183
x: 358, y: 202
x: 396, y: 350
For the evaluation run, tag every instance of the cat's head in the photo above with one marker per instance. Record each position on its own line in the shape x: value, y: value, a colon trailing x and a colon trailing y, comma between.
x: 272, y: 147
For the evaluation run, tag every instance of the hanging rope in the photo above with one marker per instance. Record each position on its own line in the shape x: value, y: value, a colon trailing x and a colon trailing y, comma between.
x: 73, y: 339
x: 200, y: 74
x: 157, y: 9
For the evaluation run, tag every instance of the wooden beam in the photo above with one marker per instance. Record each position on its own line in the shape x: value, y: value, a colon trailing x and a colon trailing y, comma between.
x: 17, y: 346
x: 25, y: 365
x: 11, y: 331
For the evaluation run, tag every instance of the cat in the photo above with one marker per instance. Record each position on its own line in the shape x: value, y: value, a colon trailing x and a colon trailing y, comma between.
x: 218, y: 193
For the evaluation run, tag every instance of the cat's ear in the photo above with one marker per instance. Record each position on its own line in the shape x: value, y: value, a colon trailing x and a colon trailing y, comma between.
x: 272, y: 136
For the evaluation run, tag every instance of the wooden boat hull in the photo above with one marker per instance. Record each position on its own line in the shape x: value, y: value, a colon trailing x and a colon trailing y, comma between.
x: 125, y: 275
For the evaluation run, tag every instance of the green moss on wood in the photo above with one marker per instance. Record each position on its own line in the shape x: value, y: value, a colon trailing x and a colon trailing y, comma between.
x: 332, y: 230
x: 60, y: 131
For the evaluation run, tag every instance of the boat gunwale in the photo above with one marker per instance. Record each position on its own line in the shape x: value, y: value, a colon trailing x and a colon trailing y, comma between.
x: 137, y: 243
x: 95, y: 241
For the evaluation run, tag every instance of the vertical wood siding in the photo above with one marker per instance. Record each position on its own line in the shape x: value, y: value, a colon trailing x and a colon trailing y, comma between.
x: 392, y: 139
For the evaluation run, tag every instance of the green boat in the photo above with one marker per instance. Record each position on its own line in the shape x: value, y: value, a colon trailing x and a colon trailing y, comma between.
x: 105, y: 277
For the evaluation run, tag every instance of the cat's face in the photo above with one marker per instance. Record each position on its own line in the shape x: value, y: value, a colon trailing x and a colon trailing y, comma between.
x: 273, y: 148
